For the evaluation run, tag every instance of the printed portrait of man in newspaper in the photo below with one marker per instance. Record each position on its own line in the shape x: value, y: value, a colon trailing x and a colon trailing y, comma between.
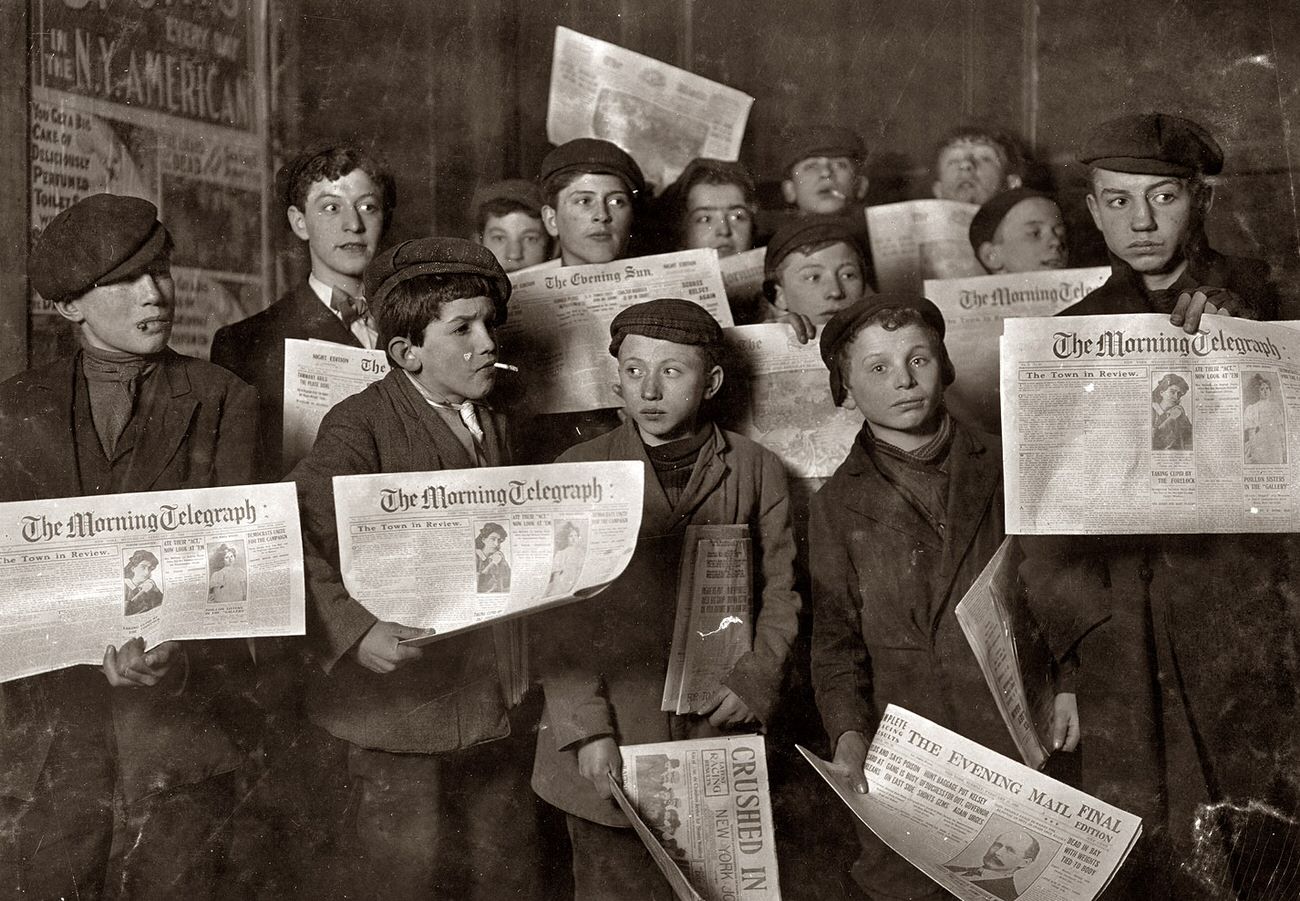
x: 1263, y: 420
x: 1011, y: 861
x: 141, y: 584
x: 1171, y: 427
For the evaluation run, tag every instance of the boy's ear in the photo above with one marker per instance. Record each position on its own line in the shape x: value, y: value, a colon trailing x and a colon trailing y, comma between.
x: 849, y: 402
x: 297, y: 222
x: 1092, y: 208
x: 715, y: 382
x: 787, y: 190
x: 548, y: 221
x: 618, y: 389
x: 402, y: 352
x: 860, y: 188
x: 1014, y: 181
x: 778, y: 297
x: 937, y: 189
x: 70, y: 310
x: 990, y: 257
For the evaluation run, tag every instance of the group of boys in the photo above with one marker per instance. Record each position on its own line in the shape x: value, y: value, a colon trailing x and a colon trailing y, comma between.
x: 436, y: 798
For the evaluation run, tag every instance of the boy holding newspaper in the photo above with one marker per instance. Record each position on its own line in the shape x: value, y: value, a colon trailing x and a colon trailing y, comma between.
x: 603, y: 664
x: 898, y: 535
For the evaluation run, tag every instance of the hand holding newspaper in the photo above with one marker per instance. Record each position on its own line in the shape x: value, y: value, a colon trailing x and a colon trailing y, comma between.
x: 1127, y: 424
x: 85, y: 572
x: 978, y: 823
x: 662, y: 115
x: 451, y: 550
x: 702, y: 809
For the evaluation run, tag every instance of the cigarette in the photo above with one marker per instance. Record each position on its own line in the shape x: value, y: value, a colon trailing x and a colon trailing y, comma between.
x: 506, y: 366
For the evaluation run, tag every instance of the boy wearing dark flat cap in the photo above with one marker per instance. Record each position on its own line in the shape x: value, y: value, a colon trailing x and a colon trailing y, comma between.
x: 1020, y: 230
x: 123, y: 414
x: 822, y: 170
x: 814, y: 267
x: 603, y: 664
x: 1186, y: 645
x: 431, y: 818
x: 508, y: 222
x: 898, y: 534
x: 338, y: 199
x: 591, y: 188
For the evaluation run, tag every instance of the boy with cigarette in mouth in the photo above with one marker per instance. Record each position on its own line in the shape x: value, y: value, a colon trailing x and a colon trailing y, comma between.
x: 603, y: 663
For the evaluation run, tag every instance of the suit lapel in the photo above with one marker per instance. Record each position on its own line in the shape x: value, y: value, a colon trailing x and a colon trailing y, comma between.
x: 163, y: 424
x: 709, y: 470
x: 433, y: 446
x: 318, y: 321
x: 872, y: 496
x: 972, y: 481
x: 55, y: 439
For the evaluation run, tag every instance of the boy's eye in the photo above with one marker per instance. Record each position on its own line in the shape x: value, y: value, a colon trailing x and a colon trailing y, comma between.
x: 850, y: 275
x: 1164, y: 197
x: 617, y: 201
x: 920, y: 361
x: 1116, y: 203
x: 878, y: 368
x: 532, y: 239
x: 330, y: 207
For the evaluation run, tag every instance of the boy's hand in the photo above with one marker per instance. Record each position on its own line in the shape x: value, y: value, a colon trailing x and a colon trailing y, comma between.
x: 379, y: 650
x: 726, y: 709
x: 1065, y: 722
x: 599, y: 759
x: 804, y: 330
x: 131, y: 667
x: 1192, y: 305
x: 851, y: 758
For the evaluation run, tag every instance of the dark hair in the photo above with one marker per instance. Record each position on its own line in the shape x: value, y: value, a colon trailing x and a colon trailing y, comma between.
x: 136, y: 559
x: 491, y: 528
x: 704, y: 171
x: 501, y: 207
x: 331, y: 162
x: 891, y: 319
x: 1010, y: 147
x: 411, y: 305
x: 1170, y: 380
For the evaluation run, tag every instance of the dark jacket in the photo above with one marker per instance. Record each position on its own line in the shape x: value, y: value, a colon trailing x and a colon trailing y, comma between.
x: 451, y: 697
x: 253, y: 349
x: 884, y: 587
x: 198, y: 434
x: 603, y: 662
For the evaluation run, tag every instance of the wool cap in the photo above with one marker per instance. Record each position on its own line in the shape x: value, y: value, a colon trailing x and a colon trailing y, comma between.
x: 668, y: 318
x: 517, y: 190
x: 985, y: 224
x: 595, y: 156
x: 101, y: 239
x: 821, y: 140
x: 814, y: 228
x: 845, y: 323
x: 434, y: 256
x: 1153, y: 144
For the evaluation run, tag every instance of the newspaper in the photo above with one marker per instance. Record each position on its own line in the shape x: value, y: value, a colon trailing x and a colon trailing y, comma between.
x: 971, y: 819
x: 663, y: 860
x: 1127, y: 424
x: 787, y: 404
x: 706, y: 803
x: 447, y: 551
x: 558, y: 330
x: 663, y: 116
x: 1013, y: 657
x: 317, y: 375
x: 742, y: 274
x: 714, y: 626
x: 919, y: 239
x: 86, y: 572
x: 974, y: 309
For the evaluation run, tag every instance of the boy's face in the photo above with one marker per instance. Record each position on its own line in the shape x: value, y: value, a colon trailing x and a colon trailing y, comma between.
x: 592, y: 219
x: 824, y: 184
x: 972, y: 172
x: 516, y: 239
x: 718, y: 217
x: 895, y: 379
x: 662, y: 384
x: 342, y: 222
x: 1144, y: 218
x: 1031, y: 237
x: 822, y: 283
x: 132, y: 316
x: 455, y: 361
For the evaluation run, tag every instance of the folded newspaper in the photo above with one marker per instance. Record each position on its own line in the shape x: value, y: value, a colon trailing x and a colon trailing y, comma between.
x: 1012, y: 655
x: 455, y: 549
x: 86, y: 572
x: 742, y: 274
x: 317, y: 375
x: 558, y: 330
x: 705, y: 815
x: 714, y: 626
x: 919, y: 239
x: 980, y: 824
x: 975, y: 308
x: 662, y: 115
x: 1127, y: 424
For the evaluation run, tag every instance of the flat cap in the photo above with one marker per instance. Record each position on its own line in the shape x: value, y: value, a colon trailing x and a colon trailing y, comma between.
x: 667, y: 318
x: 989, y: 216
x: 595, y: 156
x: 845, y: 323
x: 515, y: 190
x: 800, y: 231
x: 1153, y: 144
x: 821, y: 140
x: 434, y: 256
x: 101, y: 239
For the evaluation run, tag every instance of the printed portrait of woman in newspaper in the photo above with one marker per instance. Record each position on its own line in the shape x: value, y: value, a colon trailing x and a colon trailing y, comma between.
x: 1171, y: 427
x: 227, y: 576
x: 1263, y: 420
x: 490, y: 560
x: 141, y: 582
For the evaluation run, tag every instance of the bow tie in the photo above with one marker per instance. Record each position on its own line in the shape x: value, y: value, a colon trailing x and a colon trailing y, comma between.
x: 349, y: 308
